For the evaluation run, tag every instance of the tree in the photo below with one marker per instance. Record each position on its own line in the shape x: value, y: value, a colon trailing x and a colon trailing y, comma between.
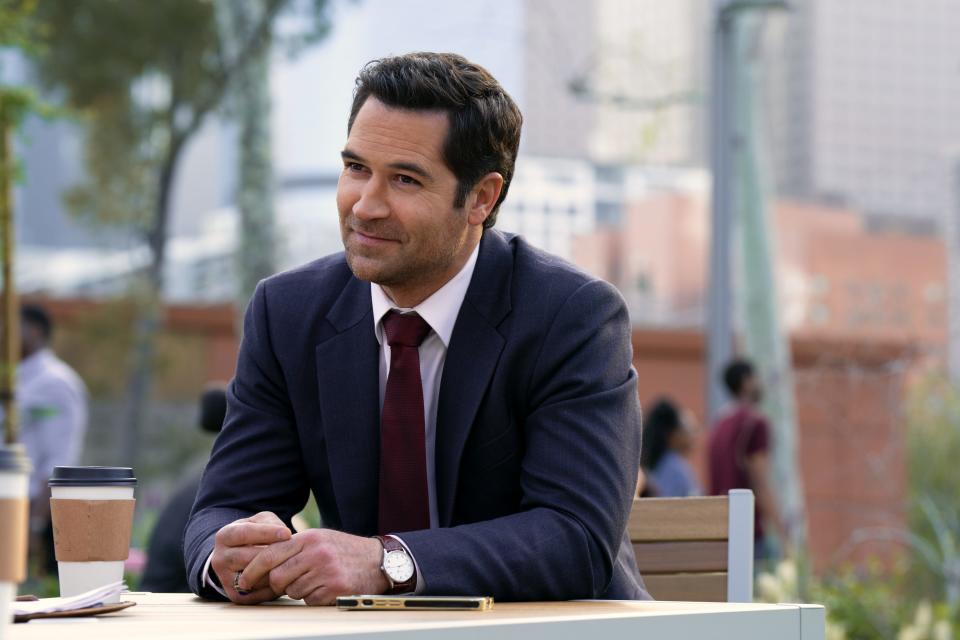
x: 249, y: 104
x: 146, y: 76
x: 16, y: 29
x: 16, y: 23
x: 12, y: 106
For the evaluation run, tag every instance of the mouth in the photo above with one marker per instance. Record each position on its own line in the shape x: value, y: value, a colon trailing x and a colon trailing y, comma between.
x: 366, y: 237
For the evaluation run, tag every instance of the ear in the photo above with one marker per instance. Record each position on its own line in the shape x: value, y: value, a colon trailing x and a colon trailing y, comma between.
x: 483, y: 197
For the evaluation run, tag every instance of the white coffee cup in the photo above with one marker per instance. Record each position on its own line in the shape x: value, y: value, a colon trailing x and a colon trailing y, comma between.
x: 14, y: 514
x: 92, y: 510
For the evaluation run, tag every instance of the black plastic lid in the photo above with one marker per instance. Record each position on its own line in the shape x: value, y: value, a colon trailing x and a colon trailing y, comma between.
x: 92, y: 477
x: 14, y: 459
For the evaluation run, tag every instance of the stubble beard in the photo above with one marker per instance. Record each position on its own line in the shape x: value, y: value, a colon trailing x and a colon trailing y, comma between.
x: 407, y: 269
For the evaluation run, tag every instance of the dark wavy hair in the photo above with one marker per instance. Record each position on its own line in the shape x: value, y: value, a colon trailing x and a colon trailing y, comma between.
x: 484, y: 133
x: 36, y: 315
x: 735, y: 374
x: 663, y: 420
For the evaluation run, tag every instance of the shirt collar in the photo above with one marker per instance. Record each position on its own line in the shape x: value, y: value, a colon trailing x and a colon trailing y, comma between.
x: 440, y: 310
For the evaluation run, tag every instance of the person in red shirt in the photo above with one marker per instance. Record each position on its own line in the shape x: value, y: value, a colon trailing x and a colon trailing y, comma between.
x: 740, y: 451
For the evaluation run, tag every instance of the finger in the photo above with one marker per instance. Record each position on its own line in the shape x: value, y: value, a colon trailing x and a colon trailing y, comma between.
x: 320, y: 597
x: 238, y: 534
x: 227, y: 577
x: 235, y: 558
x: 301, y: 586
x: 266, y: 517
x: 294, y: 578
x: 264, y: 594
x: 269, y: 558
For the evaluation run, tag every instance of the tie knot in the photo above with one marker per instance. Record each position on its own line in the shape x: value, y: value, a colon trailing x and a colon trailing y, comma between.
x: 405, y: 330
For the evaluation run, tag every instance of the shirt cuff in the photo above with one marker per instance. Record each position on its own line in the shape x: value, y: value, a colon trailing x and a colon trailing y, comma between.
x: 209, y: 578
x: 421, y: 583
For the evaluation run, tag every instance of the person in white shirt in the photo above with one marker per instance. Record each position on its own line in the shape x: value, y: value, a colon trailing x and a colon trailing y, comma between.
x: 52, y: 402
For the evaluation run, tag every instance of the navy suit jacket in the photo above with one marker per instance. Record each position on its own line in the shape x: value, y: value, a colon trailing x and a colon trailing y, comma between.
x: 537, y: 439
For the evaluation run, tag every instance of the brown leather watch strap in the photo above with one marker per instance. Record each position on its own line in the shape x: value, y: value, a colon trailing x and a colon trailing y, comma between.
x: 391, y: 544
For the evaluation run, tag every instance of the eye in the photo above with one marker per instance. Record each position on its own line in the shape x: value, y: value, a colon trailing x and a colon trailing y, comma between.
x: 403, y: 179
x: 353, y: 166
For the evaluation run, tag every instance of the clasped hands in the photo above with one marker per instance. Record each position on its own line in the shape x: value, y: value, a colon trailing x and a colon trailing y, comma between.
x: 315, y: 565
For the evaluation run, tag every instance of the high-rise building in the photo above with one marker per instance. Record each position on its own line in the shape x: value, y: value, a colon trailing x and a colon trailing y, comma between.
x: 862, y: 105
x: 551, y: 200
x: 860, y: 96
x: 616, y: 81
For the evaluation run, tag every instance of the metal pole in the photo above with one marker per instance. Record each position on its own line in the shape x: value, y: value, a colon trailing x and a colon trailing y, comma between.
x: 951, y: 234
x: 719, y: 318
x: 765, y: 337
x: 724, y: 141
x: 9, y: 313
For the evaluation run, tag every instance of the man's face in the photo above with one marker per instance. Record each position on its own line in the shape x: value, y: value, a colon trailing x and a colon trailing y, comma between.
x: 31, y: 339
x: 395, y: 198
x: 752, y: 389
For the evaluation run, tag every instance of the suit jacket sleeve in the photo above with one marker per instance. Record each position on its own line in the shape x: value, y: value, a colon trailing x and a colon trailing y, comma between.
x: 582, y: 450
x: 256, y: 464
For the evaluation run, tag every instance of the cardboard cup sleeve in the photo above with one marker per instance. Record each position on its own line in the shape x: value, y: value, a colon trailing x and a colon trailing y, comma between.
x: 91, y: 530
x: 14, y: 513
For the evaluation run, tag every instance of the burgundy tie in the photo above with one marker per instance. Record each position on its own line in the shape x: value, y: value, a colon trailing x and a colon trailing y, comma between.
x: 404, y: 503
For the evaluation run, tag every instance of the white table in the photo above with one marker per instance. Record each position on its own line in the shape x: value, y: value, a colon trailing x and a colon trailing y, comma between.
x: 182, y: 616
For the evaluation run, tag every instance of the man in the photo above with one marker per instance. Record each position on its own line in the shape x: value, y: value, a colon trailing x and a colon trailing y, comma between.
x: 164, y: 572
x: 740, y: 451
x: 465, y: 396
x: 52, y: 401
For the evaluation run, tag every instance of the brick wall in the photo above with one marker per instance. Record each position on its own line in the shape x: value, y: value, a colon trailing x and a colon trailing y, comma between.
x: 849, y: 398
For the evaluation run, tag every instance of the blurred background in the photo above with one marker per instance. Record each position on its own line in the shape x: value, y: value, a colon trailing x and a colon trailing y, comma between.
x: 195, y: 149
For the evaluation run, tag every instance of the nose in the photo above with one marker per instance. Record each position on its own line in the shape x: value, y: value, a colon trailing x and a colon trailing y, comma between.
x: 372, y: 203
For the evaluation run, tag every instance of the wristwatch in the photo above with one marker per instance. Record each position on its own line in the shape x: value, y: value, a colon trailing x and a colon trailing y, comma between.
x: 397, y: 566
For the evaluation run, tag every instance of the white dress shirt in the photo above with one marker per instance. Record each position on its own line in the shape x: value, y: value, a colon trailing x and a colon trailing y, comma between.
x: 52, y: 401
x: 440, y: 311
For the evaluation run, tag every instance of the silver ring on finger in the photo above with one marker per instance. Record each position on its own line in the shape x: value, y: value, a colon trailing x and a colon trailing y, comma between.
x: 236, y: 583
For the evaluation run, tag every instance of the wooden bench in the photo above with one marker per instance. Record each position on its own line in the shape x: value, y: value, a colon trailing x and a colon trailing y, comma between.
x: 695, y: 549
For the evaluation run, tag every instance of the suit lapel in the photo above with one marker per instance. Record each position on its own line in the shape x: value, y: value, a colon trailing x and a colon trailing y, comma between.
x: 471, y: 360
x: 348, y: 377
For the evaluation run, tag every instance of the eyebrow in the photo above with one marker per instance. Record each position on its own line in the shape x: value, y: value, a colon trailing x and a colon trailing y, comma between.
x: 410, y: 167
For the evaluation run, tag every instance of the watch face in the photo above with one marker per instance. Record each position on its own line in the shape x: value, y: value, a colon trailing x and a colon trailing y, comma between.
x: 398, y: 565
